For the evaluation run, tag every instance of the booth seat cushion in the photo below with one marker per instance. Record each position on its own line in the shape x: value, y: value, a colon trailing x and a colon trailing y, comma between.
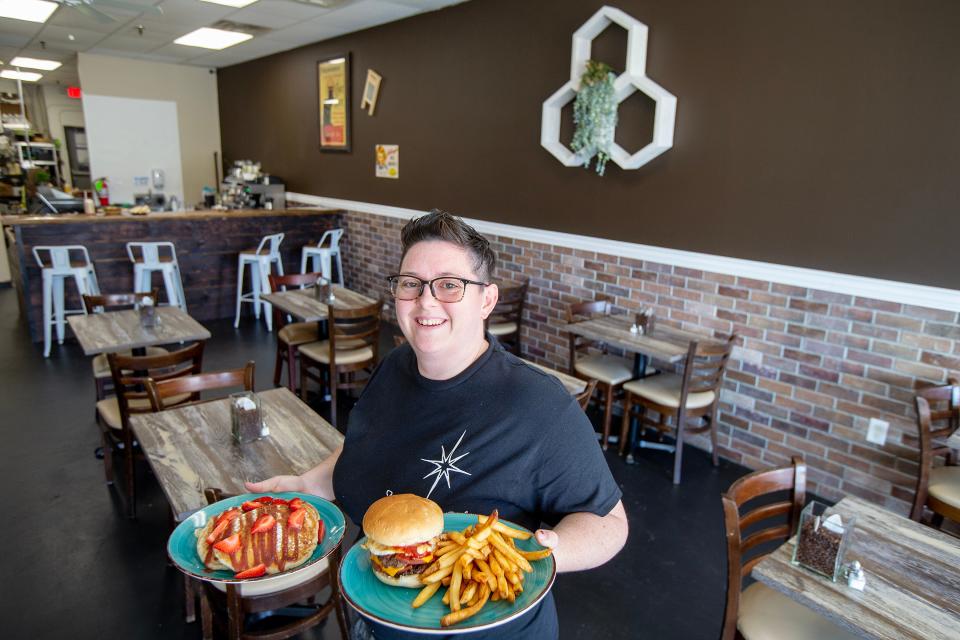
x: 664, y: 389
x: 605, y: 368
x: 298, y: 333
x: 945, y: 485
x: 502, y: 328
x: 101, y: 367
x: 109, y: 409
x: 766, y: 614
x: 352, y: 351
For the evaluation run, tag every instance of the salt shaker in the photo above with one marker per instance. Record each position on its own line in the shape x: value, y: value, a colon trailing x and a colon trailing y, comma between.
x: 855, y: 576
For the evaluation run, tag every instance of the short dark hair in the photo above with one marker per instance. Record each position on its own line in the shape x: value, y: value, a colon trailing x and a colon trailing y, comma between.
x: 440, y: 225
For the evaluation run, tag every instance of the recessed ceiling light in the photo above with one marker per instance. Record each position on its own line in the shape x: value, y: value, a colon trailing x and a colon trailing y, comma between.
x: 26, y: 76
x: 213, y: 38
x: 30, y: 10
x: 35, y: 63
x: 232, y: 3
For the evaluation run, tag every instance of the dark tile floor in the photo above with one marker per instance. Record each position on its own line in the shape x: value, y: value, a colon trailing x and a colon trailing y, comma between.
x: 73, y: 567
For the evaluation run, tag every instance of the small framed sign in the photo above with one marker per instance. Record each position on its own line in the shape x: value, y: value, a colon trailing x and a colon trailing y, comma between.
x: 370, y: 91
x: 333, y: 96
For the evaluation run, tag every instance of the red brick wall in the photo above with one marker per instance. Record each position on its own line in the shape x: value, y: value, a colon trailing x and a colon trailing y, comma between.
x: 812, y: 367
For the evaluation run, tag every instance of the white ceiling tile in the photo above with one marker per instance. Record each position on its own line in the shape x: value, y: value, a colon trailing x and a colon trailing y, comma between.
x: 59, y: 38
x: 261, y: 18
x: 304, y: 33
x: 180, y: 52
x: 192, y: 12
x: 367, y: 14
x: 73, y: 19
x: 13, y: 40
x: 155, y: 26
x: 289, y: 9
x: 19, y: 27
x: 133, y: 44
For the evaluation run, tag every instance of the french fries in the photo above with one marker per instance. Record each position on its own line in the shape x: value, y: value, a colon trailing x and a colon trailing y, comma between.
x: 479, y: 564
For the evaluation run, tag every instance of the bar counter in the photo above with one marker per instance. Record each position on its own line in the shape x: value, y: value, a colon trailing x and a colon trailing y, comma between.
x: 207, y: 244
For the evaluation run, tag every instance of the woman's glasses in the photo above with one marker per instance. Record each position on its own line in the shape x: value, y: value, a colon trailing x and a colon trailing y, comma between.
x: 445, y: 289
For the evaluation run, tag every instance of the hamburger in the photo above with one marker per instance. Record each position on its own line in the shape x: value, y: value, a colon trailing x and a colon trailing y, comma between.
x: 402, y: 533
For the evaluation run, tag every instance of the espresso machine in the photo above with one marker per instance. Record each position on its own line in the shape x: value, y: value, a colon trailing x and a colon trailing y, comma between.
x: 247, y: 187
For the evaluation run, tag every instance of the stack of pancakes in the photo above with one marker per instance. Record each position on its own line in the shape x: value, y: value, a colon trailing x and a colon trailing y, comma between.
x: 280, y: 548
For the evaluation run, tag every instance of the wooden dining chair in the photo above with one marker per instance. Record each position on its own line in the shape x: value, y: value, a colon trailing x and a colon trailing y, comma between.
x: 298, y: 600
x: 291, y: 334
x: 167, y: 394
x: 689, y: 398
x: 130, y: 374
x: 505, y: 322
x: 583, y: 398
x: 589, y: 360
x: 938, y: 486
x: 114, y: 302
x: 761, y: 508
x: 351, y: 348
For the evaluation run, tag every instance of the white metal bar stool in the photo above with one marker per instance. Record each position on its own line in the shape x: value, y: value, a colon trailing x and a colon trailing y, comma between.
x: 60, y: 263
x: 260, y: 261
x: 148, y: 257
x: 323, y: 253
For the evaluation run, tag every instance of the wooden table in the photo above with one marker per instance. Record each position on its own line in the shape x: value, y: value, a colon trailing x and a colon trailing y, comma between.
x: 114, y: 331
x: 303, y: 305
x: 664, y: 343
x: 572, y: 384
x: 191, y: 448
x: 913, y: 578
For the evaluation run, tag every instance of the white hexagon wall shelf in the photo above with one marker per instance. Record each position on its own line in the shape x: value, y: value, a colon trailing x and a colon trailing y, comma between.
x: 633, y: 79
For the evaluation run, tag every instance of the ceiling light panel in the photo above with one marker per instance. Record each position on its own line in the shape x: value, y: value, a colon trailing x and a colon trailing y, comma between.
x: 232, y: 3
x: 212, y: 38
x: 29, y: 10
x: 26, y: 76
x: 35, y: 63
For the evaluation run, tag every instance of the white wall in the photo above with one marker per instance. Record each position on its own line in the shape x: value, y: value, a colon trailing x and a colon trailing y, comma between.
x: 192, y: 89
x: 128, y: 138
x: 62, y: 112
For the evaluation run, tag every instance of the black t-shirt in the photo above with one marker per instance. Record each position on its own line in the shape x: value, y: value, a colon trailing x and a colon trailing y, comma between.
x: 500, y: 435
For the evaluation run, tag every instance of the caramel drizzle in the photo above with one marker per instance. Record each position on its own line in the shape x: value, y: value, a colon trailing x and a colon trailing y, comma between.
x: 262, y: 547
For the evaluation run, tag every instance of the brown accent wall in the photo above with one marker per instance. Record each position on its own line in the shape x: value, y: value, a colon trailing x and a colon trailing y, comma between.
x: 819, y: 134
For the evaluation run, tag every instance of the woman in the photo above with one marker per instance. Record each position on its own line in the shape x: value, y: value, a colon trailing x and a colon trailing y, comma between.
x: 452, y: 416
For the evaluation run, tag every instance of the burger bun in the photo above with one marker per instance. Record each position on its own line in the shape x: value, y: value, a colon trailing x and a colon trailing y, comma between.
x: 402, y: 519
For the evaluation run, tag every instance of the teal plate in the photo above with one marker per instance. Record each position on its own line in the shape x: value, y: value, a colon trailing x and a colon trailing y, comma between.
x: 390, y: 606
x: 182, y: 545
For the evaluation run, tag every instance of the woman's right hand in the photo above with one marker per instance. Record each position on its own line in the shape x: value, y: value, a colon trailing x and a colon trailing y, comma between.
x: 278, y: 483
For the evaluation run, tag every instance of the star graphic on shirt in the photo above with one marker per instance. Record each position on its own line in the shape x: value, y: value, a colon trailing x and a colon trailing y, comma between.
x: 446, y: 465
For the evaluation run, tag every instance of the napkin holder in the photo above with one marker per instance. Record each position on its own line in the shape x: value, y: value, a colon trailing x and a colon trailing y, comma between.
x: 822, y: 540
x: 148, y: 314
x: 246, y: 417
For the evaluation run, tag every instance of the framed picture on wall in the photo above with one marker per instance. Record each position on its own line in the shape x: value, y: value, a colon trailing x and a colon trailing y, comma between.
x: 333, y: 97
x: 370, y: 91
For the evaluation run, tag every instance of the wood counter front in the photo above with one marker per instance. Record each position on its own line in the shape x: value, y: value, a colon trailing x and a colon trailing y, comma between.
x: 207, y: 243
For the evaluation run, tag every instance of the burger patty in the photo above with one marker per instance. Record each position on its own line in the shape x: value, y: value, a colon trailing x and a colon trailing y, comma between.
x: 397, y: 562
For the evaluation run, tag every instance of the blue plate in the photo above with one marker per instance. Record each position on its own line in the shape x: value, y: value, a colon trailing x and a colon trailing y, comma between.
x: 391, y: 605
x: 182, y: 545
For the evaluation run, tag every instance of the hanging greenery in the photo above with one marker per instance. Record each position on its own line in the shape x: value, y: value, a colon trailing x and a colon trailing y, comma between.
x: 595, y: 115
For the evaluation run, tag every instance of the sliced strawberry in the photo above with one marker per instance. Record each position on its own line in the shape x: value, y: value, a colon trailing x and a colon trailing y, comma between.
x: 263, y: 523
x: 296, y: 503
x: 228, y: 545
x: 228, y: 515
x: 320, y: 531
x: 252, y: 572
x: 295, y: 521
x: 264, y: 499
x: 250, y: 505
x: 218, y: 531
